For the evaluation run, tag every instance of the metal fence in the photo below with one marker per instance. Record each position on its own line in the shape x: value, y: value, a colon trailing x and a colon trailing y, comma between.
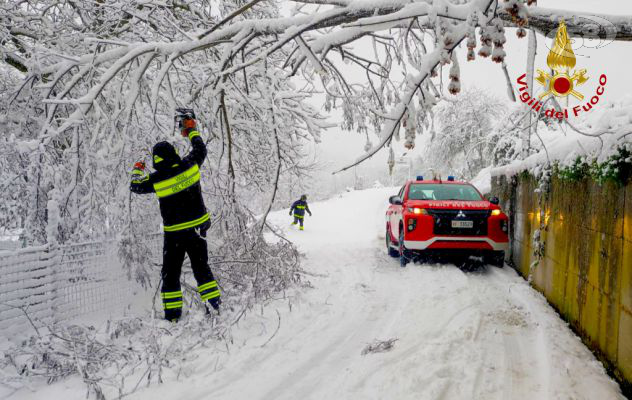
x: 54, y: 284
x: 9, y: 244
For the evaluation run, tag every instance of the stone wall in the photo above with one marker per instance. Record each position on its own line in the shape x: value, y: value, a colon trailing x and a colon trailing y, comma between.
x: 573, y: 241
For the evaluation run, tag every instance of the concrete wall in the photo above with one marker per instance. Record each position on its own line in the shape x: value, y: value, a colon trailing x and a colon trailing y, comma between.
x: 585, y: 264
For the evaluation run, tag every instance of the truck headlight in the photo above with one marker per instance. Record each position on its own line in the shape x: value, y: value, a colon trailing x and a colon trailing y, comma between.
x: 418, y: 211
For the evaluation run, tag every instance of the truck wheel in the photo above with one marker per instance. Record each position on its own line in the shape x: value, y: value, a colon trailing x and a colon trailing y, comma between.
x: 495, y: 258
x: 403, y: 253
x: 389, y: 244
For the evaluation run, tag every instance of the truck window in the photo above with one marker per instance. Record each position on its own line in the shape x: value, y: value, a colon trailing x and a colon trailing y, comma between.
x: 443, y: 191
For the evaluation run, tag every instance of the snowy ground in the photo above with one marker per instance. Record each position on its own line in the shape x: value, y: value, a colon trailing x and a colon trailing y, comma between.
x: 481, y: 335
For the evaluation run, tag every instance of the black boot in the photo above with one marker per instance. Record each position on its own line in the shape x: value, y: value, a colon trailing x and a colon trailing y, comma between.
x: 215, y: 303
x: 173, y: 315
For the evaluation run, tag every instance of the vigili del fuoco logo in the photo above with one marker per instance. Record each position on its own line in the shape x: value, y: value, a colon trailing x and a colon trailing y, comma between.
x: 563, y: 81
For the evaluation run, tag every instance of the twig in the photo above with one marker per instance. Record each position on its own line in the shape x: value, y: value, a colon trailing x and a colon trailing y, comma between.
x: 275, y: 332
x: 27, y: 317
x: 234, y: 14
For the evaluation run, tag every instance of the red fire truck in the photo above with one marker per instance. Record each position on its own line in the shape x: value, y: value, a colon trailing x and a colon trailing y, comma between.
x: 434, y: 217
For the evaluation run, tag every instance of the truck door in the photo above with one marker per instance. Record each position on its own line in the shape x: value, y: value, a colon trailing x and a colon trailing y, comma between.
x: 397, y: 214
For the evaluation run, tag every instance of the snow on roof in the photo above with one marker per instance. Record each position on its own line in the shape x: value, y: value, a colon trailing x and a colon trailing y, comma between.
x: 602, y: 132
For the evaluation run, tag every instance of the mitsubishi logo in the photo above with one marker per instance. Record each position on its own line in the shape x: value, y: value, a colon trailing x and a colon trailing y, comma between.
x: 460, y: 214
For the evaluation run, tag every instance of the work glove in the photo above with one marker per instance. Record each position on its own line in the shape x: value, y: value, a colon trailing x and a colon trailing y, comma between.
x: 290, y: 213
x: 139, y: 169
x: 310, y: 213
x: 203, y: 228
x: 188, y: 125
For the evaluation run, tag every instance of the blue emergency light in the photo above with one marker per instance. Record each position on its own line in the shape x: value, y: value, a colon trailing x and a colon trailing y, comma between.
x: 450, y: 179
x: 420, y: 178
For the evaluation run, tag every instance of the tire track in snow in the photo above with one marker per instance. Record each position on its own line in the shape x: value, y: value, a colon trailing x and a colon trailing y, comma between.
x: 506, y: 374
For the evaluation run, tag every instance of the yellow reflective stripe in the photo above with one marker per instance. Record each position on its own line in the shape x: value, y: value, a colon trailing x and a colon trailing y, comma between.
x: 193, y: 134
x: 138, y: 172
x: 300, y: 207
x: 171, y: 295
x: 299, y: 216
x: 157, y: 159
x: 178, y: 183
x: 186, y: 225
x: 175, y: 304
x: 207, y: 286
x: 178, y: 178
x: 211, y: 295
x: 189, y: 173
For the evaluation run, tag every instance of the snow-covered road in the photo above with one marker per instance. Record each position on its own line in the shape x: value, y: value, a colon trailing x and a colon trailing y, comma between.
x: 480, y: 335
x: 477, y: 335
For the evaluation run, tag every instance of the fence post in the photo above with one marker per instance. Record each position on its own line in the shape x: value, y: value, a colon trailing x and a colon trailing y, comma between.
x: 53, y: 250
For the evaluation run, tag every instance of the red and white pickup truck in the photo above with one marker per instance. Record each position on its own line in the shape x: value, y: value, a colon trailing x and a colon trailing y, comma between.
x: 434, y: 217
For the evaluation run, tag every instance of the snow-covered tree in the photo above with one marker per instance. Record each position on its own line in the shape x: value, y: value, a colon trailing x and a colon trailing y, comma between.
x: 100, y: 82
x: 466, y: 132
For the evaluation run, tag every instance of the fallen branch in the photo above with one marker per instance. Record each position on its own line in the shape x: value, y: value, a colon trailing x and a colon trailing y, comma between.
x: 379, y: 346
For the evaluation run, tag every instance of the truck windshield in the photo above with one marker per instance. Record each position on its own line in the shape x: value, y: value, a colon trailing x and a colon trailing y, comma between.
x: 443, y: 191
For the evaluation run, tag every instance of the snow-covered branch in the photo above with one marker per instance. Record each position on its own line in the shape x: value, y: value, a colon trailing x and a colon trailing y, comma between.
x: 103, y: 79
x: 578, y: 24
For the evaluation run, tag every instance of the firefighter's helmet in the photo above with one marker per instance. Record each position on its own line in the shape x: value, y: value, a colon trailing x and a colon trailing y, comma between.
x: 164, y: 155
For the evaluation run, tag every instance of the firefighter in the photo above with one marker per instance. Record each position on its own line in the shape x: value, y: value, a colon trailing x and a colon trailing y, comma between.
x: 298, y: 210
x: 176, y: 183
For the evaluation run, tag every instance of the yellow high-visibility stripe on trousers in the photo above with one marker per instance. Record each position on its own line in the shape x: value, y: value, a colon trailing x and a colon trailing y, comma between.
x: 171, y: 300
x: 209, y: 290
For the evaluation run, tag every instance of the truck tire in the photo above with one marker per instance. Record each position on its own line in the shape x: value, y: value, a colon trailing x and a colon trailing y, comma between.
x: 403, y: 253
x: 495, y: 258
x: 389, y: 244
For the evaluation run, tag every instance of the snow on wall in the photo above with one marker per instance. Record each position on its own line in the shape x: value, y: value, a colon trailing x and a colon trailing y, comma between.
x: 602, y: 131
x: 483, y: 181
x: 59, y: 284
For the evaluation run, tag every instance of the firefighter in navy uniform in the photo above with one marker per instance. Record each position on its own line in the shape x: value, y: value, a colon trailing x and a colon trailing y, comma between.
x: 176, y: 182
x: 298, y: 210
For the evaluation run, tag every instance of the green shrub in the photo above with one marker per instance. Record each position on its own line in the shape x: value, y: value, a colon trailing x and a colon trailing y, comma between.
x: 617, y: 168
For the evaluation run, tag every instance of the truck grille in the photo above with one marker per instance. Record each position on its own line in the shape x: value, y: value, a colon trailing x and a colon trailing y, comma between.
x: 443, y: 222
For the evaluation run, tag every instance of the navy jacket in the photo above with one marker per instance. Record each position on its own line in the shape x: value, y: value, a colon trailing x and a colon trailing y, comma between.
x: 299, y: 207
x: 176, y: 182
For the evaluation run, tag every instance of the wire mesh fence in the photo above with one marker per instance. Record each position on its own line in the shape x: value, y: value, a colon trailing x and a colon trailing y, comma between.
x: 54, y: 284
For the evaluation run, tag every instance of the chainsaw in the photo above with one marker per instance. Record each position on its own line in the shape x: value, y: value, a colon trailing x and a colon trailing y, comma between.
x: 183, y: 114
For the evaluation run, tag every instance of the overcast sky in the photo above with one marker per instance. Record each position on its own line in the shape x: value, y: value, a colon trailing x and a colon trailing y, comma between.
x: 340, y: 148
